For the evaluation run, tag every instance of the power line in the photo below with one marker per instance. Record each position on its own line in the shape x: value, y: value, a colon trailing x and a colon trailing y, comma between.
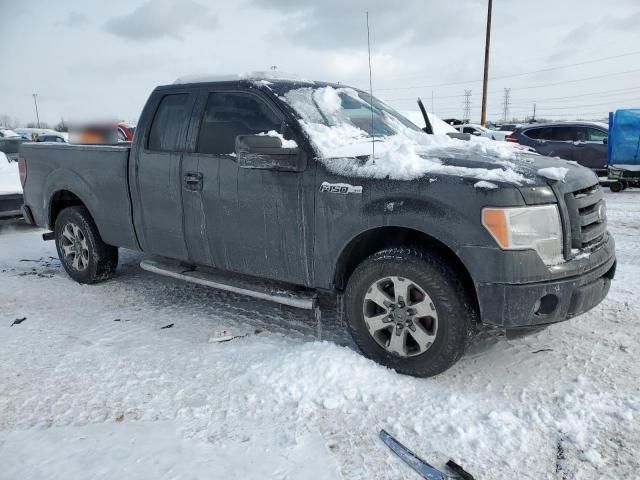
x: 550, y: 69
x: 517, y: 88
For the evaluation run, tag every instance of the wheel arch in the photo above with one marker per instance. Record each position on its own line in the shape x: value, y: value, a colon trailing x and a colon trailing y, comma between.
x: 61, y: 199
x: 371, y: 241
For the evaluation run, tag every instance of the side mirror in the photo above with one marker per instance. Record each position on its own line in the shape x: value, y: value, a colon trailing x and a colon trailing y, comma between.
x: 477, y: 134
x: 267, y: 153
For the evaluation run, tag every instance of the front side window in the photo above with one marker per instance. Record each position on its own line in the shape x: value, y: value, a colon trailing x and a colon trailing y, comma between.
x: 229, y: 114
x: 168, y: 123
x: 468, y: 130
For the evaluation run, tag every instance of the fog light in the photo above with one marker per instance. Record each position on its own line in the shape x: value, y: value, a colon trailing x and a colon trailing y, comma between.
x: 546, y: 305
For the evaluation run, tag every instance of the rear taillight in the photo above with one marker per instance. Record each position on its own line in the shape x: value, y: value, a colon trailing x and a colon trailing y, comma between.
x: 22, y: 168
x: 511, y: 138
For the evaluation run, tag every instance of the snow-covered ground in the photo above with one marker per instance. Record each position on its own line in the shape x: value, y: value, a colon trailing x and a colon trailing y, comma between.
x: 93, y: 386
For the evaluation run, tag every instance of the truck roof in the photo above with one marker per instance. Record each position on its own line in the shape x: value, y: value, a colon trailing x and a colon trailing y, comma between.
x: 266, y: 77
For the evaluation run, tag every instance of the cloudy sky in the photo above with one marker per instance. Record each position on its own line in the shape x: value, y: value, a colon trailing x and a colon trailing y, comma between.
x: 87, y: 59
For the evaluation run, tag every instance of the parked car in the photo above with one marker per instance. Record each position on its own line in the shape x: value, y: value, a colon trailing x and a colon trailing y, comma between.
x: 270, y: 189
x: 480, y: 131
x: 31, y: 134
x: 126, y: 132
x: 582, y: 142
x: 10, y: 143
x: 49, y: 137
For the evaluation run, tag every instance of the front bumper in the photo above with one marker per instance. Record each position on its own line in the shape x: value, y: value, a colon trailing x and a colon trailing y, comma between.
x: 541, y: 303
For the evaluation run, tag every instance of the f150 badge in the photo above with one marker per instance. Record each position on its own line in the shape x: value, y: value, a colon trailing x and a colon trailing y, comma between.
x: 343, y: 188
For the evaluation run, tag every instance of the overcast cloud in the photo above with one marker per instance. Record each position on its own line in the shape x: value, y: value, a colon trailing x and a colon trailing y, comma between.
x: 162, y: 18
x: 88, y: 59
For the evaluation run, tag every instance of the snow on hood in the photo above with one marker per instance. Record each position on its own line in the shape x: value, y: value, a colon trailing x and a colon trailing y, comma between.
x: 406, y: 154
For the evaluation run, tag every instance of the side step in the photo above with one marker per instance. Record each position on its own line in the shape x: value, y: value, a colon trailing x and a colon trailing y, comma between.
x: 231, y: 282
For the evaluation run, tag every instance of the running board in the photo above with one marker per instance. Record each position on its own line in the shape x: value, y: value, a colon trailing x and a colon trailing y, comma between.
x: 230, y: 282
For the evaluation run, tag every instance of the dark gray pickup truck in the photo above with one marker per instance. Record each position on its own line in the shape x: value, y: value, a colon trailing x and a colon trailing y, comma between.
x: 283, y: 189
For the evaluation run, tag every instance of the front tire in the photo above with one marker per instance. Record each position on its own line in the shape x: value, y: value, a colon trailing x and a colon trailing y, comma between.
x: 83, y: 254
x: 407, y: 310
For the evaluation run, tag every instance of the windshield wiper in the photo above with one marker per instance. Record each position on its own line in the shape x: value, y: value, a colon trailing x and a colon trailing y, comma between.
x: 427, y: 128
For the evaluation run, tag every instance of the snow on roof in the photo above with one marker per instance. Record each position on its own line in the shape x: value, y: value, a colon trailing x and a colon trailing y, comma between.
x: 259, y: 75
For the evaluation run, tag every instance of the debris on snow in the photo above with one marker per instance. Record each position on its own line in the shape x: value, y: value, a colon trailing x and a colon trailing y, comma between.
x: 18, y: 321
x: 285, y: 143
x: 485, y: 184
x: 554, y: 173
x: 167, y: 326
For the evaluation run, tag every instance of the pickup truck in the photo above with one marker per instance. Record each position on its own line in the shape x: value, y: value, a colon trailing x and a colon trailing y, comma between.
x: 285, y: 189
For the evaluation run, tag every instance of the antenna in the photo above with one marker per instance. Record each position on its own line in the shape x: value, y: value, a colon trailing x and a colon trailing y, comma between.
x: 373, y: 138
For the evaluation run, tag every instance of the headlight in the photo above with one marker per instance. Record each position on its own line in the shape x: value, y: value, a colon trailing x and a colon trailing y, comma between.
x: 523, y: 228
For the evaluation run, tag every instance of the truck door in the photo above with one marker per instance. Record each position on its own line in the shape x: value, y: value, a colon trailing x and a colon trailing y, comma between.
x: 156, y: 175
x: 251, y: 221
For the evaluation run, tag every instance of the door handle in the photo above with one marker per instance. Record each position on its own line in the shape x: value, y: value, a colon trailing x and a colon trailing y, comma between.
x: 193, y: 181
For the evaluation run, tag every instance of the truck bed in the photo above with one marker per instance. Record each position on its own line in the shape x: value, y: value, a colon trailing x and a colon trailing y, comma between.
x: 97, y: 174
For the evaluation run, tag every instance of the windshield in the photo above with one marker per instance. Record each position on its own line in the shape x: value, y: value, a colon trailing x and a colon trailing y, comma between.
x: 347, y: 107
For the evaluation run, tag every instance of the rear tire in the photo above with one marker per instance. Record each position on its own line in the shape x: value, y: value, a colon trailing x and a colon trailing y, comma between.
x: 434, y: 320
x: 83, y: 254
x: 615, y: 187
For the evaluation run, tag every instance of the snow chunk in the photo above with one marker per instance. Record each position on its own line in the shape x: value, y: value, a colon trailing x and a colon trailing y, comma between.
x: 285, y: 143
x: 485, y: 184
x: 554, y: 173
x: 9, y: 176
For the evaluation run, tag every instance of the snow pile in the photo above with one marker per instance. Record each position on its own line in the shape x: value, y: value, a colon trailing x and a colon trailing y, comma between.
x: 321, y: 375
x: 9, y: 176
x: 484, y: 184
x: 285, y: 143
x: 408, y: 154
x: 554, y: 173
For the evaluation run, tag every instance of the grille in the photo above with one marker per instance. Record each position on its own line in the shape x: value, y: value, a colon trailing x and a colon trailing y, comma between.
x: 587, y: 216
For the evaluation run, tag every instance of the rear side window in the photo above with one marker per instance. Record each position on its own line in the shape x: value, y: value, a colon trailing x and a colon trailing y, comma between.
x: 595, y: 135
x: 168, y: 123
x: 535, y: 133
x: 468, y: 130
x: 229, y: 114
x: 562, y: 134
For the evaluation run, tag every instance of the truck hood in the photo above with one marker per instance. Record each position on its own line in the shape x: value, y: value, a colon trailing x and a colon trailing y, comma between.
x: 489, y: 161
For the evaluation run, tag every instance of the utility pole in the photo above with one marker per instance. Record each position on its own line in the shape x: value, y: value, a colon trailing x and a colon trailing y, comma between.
x: 483, y: 115
x: 533, y: 119
x: 467, y: 106
x: 506, y: 103
x: 35, y: 101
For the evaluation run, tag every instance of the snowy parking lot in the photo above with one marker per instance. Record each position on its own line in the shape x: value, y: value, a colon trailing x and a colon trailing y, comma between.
x: 119, y: 380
